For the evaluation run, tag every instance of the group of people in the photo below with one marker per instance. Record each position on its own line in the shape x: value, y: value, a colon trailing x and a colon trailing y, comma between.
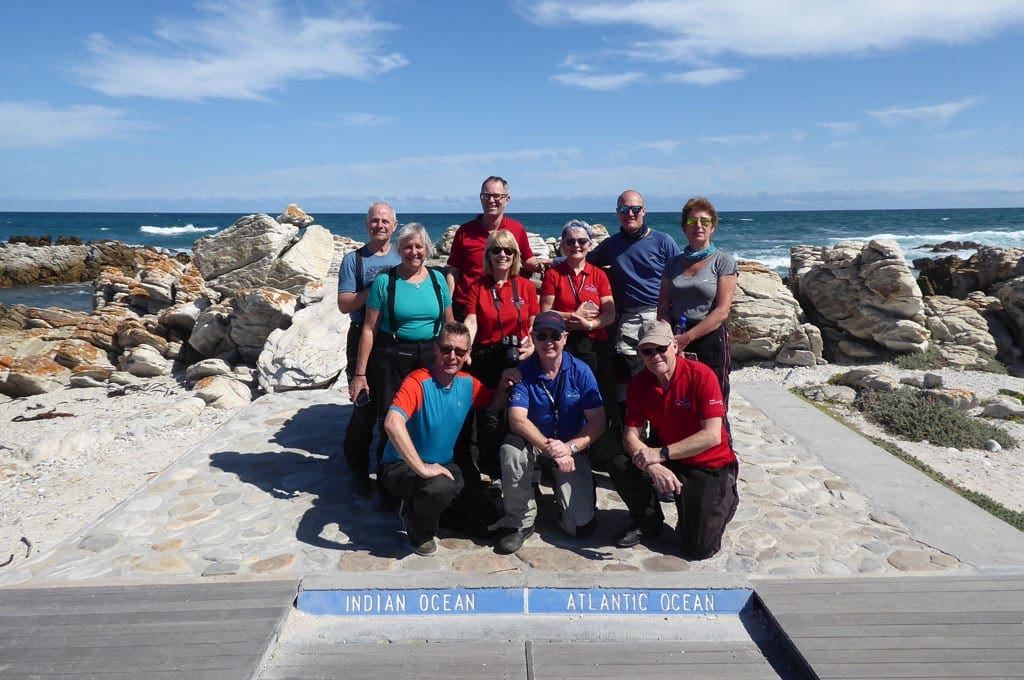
x: 622, y: 356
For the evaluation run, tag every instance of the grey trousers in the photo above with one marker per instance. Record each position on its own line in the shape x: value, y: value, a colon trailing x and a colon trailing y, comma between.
x: 574, y: 491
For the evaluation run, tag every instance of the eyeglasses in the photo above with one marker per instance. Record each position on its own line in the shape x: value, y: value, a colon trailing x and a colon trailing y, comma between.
x: 448, y: 349
x: 493, y: 197
x: 551, y: 336
x: 635, y: 209
x: 702, y: 221
x: 651, y: 351
x: 503, y: 251
x: 576, y: 241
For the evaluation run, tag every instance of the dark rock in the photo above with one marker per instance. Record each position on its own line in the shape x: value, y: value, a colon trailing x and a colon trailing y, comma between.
x: 34, y: 241
x: 947, y: 246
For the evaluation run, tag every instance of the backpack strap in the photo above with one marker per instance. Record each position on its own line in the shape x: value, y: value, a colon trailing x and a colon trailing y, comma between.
x: 433, y: 274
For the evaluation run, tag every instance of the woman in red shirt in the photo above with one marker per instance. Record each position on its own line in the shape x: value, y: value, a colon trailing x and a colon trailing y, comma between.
x: 499, y: 315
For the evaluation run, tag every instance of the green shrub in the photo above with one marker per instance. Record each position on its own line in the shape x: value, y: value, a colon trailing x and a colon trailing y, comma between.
x: 914, y: 416
x: 1019, y: 396
x: 922, y: 361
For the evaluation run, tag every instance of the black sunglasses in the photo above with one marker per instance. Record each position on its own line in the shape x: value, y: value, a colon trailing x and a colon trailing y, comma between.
x: 448, y: 349
x: 651, y: 351
x: 635, y: 209
x: 507, y: 251
x: 552, y: 336
x: 576, y: 241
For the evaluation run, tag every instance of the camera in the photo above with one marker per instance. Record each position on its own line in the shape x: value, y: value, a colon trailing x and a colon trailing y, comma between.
x: 510, y: 350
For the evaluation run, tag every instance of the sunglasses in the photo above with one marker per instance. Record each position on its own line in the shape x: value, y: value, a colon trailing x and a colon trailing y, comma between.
x: 651, y: 351
x: 576, y: 241
x: 503, y: 251
x: 493, y: 197
x: 635, y: 209
x: 550, y: 336
x: 449, y: 349
x: 702, y: 221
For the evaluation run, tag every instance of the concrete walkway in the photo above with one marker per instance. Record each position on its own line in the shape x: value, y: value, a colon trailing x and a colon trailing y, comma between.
x: 266, y: 498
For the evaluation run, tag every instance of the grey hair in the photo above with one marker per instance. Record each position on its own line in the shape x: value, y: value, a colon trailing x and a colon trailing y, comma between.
x: 414, y: 230
x: 573, y: 225
x: 394, y: 215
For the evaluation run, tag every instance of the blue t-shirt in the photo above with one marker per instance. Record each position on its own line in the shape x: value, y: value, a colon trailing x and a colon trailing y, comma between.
x: 416, y: 311
x: 635, y: 266
x: 434, y: 414
x: 579, y: 393
x: 373, y: 266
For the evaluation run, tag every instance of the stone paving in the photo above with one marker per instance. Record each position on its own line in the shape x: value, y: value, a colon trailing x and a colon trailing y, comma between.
x: 269, y: 494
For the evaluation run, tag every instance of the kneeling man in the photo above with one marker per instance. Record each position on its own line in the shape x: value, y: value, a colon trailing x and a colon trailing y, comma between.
x: 681, y: 400
x: 423, y: 423
x: 555, y: 413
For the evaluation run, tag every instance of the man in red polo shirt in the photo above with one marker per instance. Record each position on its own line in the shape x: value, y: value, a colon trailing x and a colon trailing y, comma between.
x: 682, y: 401
x: 466, y: 260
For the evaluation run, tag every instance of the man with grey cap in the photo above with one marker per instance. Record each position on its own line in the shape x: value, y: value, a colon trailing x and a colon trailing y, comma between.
x: 681, y: 400
x: 554, y: 413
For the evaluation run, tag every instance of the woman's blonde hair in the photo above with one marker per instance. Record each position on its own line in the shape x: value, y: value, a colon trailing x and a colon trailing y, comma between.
x: 502, y: 238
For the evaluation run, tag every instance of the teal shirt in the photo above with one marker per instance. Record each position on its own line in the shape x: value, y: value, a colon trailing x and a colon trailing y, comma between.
x: 416, y: 309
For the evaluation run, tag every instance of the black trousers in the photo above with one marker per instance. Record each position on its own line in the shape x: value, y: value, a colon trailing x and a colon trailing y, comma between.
x: 359, y: 434
x: 705, y: 506
x: 598, y: 356
x: 439, y: 501
x: 713, y: 349
x: 476, y: 450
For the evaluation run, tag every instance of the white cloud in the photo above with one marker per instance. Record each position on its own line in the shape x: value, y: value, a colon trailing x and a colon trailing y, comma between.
x: 665, y: 146
x: 365, y: 119
x: 611, y: 81
x: 937, y: 113
x: 706, y: 76
x: 35, y: 124
x: 698, y: 29
x: 238, y: 50
x: 841, y: 127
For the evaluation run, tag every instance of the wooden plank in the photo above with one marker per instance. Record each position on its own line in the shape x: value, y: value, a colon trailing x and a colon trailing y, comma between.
x: 904, y: 628
x: 654, y: 659
x: 215, y: 630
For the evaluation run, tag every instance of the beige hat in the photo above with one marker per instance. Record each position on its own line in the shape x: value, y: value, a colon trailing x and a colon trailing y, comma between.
x: 656, y: 333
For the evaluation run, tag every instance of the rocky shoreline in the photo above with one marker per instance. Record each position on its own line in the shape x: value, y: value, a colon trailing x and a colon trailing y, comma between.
x: 182, y: 342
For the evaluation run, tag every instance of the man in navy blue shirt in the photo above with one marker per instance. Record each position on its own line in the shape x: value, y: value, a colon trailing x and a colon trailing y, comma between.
x: 555, y: 413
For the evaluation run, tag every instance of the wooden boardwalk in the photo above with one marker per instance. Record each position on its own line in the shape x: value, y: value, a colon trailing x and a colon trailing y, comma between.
x: 210, y: 630
x: 922, y: 627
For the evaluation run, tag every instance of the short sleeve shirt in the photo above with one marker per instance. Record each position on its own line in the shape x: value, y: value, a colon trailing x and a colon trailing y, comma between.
x: 373, y: 266
x: 676, y: 412
x: 695, y: 296
x: 635, y: 266
x: 434, y: 414
x: 416, y: 311
x: 467, y: 252
x: 577, y: 393
x: 570, y: 290
x: 481, y: 302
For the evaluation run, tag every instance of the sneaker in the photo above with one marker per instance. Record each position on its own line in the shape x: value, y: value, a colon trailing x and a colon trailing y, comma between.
x: 423, y: 546
x: 513, y: 541
x: 634, y: 535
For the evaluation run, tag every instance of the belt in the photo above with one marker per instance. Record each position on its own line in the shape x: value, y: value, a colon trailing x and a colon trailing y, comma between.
x: 638, y: 309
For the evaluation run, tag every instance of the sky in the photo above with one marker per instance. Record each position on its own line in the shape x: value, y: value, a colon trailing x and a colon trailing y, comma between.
x: 232, y: 105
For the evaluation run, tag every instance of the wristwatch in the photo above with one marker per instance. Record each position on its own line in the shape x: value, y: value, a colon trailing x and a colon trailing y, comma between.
x: 573, y: 448
x: 664, y: 453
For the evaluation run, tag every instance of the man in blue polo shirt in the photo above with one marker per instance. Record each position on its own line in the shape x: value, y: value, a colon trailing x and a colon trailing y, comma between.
x: 555, y: 413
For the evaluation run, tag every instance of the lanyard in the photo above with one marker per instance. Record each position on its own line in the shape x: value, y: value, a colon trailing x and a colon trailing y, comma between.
x: 573, y: 288
x: 559, y: 387
x: 515, y: 300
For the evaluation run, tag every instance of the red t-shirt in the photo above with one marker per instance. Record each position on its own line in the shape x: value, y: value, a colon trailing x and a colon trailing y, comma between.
x: 467, y: 254
x: 481, y: 302
x: 571, y: 290
x: 675, y: 412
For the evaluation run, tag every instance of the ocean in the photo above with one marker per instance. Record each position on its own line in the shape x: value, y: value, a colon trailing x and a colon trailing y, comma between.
x: 762, y: 236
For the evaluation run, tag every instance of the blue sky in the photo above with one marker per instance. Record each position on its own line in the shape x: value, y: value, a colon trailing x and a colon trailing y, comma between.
x: 244, y: 106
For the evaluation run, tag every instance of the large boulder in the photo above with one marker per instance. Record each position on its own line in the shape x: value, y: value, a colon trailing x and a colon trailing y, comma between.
x: 22, y: 265
x: 308, y: 354
x: 258, y: 312
x: 766, y: 323
x: 242, y: 255
x: 959, y: 331
x: 293, y: 214
x: 1011, y: 295
x: 26, y: 376
x: 209, y: 335
x: 307, y: 261
x: 861, y: 296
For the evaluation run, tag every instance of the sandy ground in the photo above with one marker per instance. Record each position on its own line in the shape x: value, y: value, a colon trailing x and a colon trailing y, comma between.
x: 59, y: 474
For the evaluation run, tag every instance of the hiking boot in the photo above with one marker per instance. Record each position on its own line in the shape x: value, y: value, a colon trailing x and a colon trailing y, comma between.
x: 635, y: 534
x: 423, y: 546
x: 513, y: 541
x: 362, y: 485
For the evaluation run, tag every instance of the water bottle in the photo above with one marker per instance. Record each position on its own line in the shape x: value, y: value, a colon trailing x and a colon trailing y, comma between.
x: 680, y: 326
